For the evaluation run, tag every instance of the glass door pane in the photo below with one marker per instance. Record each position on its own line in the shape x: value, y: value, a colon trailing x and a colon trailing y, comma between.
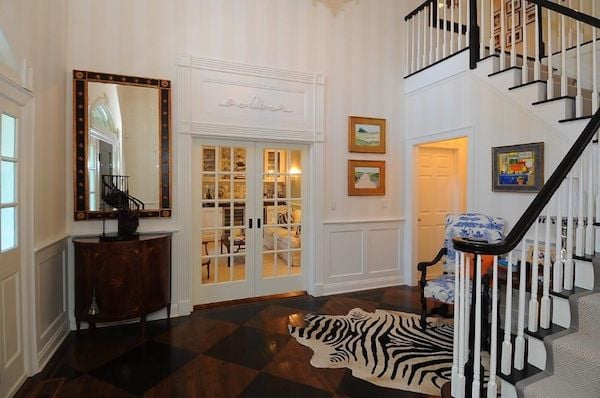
x: 224, y: 214
x: 282, y: 213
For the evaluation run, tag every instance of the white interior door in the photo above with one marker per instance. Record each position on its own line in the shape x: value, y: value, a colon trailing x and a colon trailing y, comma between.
x: 247, y: 201
x: 12, y: 361
x: 438, y: 195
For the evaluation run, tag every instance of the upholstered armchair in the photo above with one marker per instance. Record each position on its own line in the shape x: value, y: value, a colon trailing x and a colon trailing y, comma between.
x: 467, y: 225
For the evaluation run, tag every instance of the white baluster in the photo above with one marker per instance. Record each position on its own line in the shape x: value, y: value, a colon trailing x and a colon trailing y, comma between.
x: 578, y: 76
x: 533, y: 301
x: 513, y: 47
x: 563, y: 56
x: 536, y: 62
x: 502, y: 40
x: 408, y: 64
x: 595, y: 105
x: 460, y: 388
x: 570, y: 23
x: 550, y: 84
x: 579, y: 238
x: 507, y: 343
x: 520, y: 339
x: 569, y: 264
x: 477, y: 346
x: 431, y: 32
x: 525, y: 68
x: 425, y: 13
x: 452, y: 21
x: 545, y: 302
x: 557, y: 277
x: 444, y: 31
x: 457, y: 316
x: 492, y: 387
x: 413, y: 59
x: 418, y: 18
x: 492, y: 28
x: 459, y: 45
x: 589, y: 229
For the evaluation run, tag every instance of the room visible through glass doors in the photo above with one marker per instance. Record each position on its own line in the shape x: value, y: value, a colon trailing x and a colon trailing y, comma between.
x: 247, y: 201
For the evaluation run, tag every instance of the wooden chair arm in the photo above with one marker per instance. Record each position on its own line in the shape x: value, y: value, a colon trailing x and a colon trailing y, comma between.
x: 422, y: 266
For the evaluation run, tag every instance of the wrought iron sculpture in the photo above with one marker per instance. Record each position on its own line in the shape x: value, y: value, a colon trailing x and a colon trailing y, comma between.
x: 115, y: 193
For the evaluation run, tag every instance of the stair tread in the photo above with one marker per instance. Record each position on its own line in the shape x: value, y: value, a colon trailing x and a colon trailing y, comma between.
x: 515, y: 375
x: 542, y: 333
x: 553, y: 99
x: 554, y: 386
x: 568, y: 293
x: 573, y: 119
x: 586, y: 257
x: 526, y: 84
x: 504, y: 70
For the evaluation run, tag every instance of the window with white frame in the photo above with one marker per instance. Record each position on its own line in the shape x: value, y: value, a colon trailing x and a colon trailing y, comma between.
x: 8, y: 182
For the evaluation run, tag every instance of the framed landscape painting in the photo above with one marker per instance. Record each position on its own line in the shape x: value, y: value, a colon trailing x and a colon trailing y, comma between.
x: 366, y: 177
x: 366, y: 134
x: 518, y: 168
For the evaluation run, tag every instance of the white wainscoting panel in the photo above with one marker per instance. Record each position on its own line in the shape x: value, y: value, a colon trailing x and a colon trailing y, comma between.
x: 51, y: 304
x: 11, y: 338
x: 361, y: 255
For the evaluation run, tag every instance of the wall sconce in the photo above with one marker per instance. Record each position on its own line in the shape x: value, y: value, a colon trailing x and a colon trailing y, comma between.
x: 295, y: 171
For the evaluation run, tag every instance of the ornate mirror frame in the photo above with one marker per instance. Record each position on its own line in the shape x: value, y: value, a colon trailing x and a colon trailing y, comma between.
x: 80, y: 142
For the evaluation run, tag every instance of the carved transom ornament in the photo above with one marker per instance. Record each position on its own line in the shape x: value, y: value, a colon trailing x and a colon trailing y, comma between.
x: 334, y: 5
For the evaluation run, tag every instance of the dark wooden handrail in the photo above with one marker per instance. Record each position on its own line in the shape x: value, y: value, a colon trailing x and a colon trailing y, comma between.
x: 527, y: 219
x: 418, y: 9
x: 569, y: 12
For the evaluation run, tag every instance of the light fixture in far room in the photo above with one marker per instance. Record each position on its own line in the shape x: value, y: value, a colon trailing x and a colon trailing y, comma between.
x: 334, y: 5
x: 294, y: 170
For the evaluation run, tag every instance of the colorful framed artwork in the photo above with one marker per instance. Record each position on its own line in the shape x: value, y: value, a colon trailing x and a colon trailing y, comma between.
x: 518, y: 168
x: 366, y: 134
x: 366, y: 177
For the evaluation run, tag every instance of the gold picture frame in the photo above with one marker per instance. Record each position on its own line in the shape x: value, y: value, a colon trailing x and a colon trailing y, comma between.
x: 366, y: 134
x: 366, y: 177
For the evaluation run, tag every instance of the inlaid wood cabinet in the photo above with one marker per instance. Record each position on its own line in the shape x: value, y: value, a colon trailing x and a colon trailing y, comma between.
x: 116, y: 281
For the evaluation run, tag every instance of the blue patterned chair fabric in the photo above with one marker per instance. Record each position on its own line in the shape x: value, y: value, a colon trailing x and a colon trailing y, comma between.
x: 467, y: 225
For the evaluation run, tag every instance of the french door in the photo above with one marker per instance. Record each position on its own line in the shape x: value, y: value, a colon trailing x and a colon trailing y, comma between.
x: 12, y: 361
x: 248, y: 212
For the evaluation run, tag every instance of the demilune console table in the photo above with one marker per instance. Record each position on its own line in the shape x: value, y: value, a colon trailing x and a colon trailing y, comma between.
x: 115, y: 281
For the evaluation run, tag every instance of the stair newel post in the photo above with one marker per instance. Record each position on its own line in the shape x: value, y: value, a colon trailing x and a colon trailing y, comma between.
x: 525, y: 68
x: 589, y: 228
x: 579, y: 96
x: 520, y: 339
x: 431, y: 8
x: 563, y: 56
x: 473, y: 35
x: 545, y: 303
x: 597, y: 150
x: 557, y: 269
x: 468, y: 336
x: 550, y: 85
x: 538, y: 43
x: 492, y: 388
x: 579, y: 231
x: 477, y: 346
x: 481, y: 30
x: 502, y: 37
x: 594, y: 64
x: 507, y: 343
x: 568, y: 269
x: 513, y: 47
x: 533, y: 301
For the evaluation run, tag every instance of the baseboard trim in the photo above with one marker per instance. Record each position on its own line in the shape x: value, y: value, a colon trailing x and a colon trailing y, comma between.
x: 44, y: 355
x: 353, y: 286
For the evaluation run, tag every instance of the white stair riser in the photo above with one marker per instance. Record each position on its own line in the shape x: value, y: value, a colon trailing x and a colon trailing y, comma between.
x: 508, y: 390
x: 563, y: 108
x: 531, y: 93
x: 561, y: 312
x: 584, y: 274
x: 488, y: 66
x: 536, y: 352
x: 508, y: 78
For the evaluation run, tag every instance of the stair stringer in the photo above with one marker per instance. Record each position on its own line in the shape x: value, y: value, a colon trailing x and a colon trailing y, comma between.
x: 568, y: 132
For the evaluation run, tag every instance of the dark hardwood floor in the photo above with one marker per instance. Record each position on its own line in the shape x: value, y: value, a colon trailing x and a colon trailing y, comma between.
x: 243, y: 350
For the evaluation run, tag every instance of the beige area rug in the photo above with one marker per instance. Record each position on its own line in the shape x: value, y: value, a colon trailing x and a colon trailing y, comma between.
x: 386, y: 348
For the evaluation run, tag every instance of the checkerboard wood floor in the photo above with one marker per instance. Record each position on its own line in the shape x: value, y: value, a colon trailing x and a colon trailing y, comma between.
x: 242, y: 350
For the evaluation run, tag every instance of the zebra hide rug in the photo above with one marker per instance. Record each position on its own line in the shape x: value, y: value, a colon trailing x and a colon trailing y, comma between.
x: 386, y: 348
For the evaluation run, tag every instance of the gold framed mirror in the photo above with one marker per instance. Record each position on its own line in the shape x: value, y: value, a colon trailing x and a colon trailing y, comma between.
x: 121, y: 126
